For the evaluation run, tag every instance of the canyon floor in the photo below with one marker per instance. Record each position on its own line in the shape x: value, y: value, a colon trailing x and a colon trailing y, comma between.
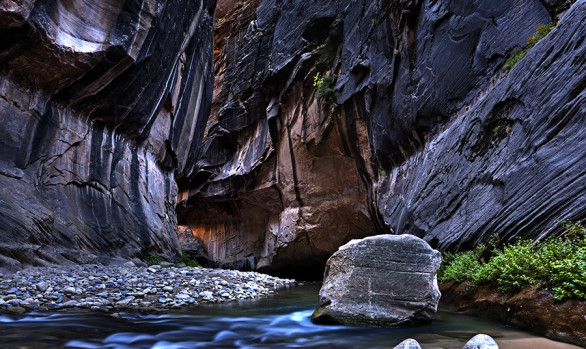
x: 129, y: 288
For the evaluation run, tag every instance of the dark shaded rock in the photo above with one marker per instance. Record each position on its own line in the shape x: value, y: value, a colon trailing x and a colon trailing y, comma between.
x: 284, y: 179
x: 513, y: 164
x: 102, y: 108
x: 191, y: 246
x: 481, y: 341
x: 383, y: 280
x: 557, y: 7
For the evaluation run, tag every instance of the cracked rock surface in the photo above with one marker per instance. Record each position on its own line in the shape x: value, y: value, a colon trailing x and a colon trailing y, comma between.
x: 102, y: 108
x: 383, y: 280
x: 422, y: 132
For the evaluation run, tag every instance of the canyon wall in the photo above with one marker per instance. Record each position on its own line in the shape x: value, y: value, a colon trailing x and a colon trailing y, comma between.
x: 422, y: 131
x: 103, y: 107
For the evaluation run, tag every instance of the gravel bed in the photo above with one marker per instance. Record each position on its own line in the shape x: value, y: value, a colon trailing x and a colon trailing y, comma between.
x: 129, y: 288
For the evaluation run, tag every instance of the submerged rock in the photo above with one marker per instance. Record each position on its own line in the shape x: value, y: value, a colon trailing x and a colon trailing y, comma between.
x: 382, y: 280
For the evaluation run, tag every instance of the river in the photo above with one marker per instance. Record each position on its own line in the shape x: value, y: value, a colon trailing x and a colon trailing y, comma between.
x: 281, y: 321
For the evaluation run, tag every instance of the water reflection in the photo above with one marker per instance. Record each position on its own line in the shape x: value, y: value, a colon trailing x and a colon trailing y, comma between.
x: 279, y: 322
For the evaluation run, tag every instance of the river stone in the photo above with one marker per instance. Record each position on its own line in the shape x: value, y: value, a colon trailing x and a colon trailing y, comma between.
x: 481, y: 341
x: 42, y: 286
x: 408, y: 344
x: 383, y: 280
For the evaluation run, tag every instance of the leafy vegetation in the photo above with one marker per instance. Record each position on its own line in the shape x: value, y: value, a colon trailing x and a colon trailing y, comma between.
x: 324, y: 84
x: 152, y: 259
x: 558, y: 264
x: 188, y: 260
x: 541, y: 32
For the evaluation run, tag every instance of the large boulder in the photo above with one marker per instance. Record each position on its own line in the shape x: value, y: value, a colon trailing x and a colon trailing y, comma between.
x: 383, y: 280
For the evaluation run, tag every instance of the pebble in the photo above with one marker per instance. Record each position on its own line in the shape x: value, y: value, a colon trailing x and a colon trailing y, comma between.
x: 42, y: 286
x: 129, y: 287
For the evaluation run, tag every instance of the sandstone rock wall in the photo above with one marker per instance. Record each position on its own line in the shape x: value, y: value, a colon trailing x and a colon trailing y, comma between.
x: 423, y: 133
x: 102, y: 108
x: 513, y: 164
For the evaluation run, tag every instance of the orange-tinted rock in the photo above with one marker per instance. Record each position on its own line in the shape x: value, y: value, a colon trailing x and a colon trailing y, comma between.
x: 418, y: 135
x: 531, y: 309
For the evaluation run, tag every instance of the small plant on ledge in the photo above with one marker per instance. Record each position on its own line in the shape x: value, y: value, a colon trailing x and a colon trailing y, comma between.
x: 541, y: 32
x: 324, y: 85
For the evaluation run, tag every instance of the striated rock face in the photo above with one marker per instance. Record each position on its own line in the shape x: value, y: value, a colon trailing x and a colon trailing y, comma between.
x: 512, y: 165
x: 382, y: 280
x: 423, y: 132
x: 102, y: 108
x: 281, y: 184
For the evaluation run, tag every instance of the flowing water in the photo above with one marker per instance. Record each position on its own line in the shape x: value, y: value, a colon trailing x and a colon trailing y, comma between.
x: 281, y: 321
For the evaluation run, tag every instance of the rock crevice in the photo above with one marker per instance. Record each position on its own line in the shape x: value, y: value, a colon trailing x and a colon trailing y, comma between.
x: 423, y: 133
x: 102, y: 106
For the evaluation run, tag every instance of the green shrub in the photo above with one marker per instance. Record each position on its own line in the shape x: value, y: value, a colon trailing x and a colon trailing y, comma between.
x: 187, y: 260
x: 510, y: 269
x: 568, y: 278
x: 152, y: 259
x: 541, y: 32
x: 574, y: 229
x: 558, y: 264
x: 324, y: 84
x: 460, y: 267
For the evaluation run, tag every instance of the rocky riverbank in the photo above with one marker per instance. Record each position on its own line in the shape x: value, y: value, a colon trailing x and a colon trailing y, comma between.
x: 532, y: 309
x: 129, y: 288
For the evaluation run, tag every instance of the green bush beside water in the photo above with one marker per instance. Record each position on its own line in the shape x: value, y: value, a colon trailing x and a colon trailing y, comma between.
x: 557, y: 263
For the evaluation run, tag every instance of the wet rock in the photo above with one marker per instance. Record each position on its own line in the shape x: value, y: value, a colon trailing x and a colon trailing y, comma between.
x: 532, y: 309
x: 42, y: 286
x: 423, y: 132
x: 175, y: 285
x: 383, y: 280
x: 94, y: 139
x: 69, y: 290
x: 70, y: 304
x: 154, y: 269
x: 408, y: 344
x: 481, y: 341
x: 16, y: 309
